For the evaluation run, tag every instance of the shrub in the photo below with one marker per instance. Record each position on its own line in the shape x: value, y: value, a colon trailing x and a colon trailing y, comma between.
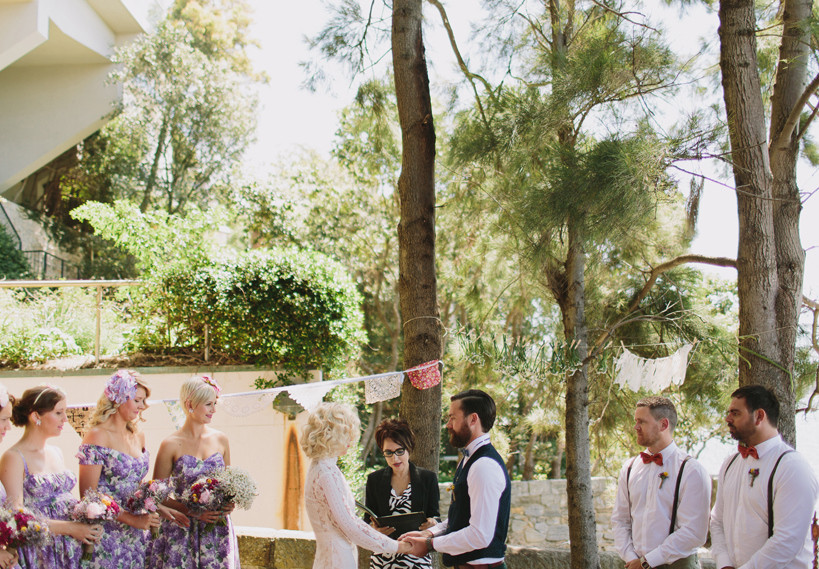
x: 13, y: 264
x: 286, y: 307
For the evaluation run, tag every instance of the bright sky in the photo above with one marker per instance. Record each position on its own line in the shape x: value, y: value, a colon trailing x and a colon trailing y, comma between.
x: 292, y: 117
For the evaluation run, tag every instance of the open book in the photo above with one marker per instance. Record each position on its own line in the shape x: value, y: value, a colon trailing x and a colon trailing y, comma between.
x: 402, y: 523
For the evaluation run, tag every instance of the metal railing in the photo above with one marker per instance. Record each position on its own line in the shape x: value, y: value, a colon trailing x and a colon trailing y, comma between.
x: 41, y: 261
x: 10, y: 225
x: 99, y: 285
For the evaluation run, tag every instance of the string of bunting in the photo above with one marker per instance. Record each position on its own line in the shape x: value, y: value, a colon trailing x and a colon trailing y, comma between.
x: 378, y: 387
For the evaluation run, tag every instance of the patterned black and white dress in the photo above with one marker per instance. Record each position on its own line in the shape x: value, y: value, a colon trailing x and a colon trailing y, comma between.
x: 400, y: 505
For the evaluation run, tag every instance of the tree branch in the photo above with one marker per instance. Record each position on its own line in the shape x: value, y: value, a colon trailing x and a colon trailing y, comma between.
x: 792, y: 121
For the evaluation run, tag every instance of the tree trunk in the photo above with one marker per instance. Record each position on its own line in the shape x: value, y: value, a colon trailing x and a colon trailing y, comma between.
x: 529, y: 460
x: 416, y: 230
x: 770, y: 259
x: 787, y: 206
x: 582, y: 527
x: 555, y: 471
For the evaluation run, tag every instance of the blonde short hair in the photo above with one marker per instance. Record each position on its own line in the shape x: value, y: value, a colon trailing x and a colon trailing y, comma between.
x: 330, y: 429
x: 197, y: 391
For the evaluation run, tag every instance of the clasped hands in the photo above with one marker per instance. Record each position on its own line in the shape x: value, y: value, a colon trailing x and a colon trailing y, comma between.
x: 417, y: 541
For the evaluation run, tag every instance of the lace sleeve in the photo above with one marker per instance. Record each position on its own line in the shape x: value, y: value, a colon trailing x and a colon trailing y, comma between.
x: 335, y: 493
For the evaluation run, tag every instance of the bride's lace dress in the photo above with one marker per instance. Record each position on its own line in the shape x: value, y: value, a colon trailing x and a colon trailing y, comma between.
x: 331, y: 509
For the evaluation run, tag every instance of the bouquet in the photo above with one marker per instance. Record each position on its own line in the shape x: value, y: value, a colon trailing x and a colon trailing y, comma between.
x: 220, y: 488
x: 94, y: 508
x: 20, y: 526
x: 147, y: 497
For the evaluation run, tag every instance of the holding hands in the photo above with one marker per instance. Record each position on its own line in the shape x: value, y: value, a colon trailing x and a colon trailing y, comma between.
x: 417, y: 541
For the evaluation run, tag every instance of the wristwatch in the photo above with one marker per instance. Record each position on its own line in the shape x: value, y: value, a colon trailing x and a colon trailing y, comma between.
x: 644, y: 563
x: 429, y: 544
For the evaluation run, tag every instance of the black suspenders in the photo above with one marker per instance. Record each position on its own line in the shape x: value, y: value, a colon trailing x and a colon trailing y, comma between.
x: 770, y: 488
x: 676, y: 492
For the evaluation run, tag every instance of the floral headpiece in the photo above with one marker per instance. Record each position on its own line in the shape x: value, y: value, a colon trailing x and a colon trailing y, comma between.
x: 212, y: 382
x: 121, y: 387
x: 4, y: 396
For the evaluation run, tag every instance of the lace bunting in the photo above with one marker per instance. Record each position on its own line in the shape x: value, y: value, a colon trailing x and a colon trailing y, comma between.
x: 309, y: 395
x: 383, y: 388
x: 244, y: 405
x: 653, y: 375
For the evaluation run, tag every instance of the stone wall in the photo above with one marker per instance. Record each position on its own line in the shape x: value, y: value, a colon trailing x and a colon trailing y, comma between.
x: 283, y: 549
x: 540, y: 513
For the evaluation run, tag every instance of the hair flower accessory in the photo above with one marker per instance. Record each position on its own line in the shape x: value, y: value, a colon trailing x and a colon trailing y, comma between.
x: 212, y: 382
x: 754, y: 472
x: 663, y: 477
x: 4, y: 396
x: 121, y: 387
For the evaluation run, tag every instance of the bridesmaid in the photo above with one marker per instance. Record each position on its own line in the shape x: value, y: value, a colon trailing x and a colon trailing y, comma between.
x: 7, y: 558
x: 113, y: 459
x: 194, y: 450
x: 35, y: 476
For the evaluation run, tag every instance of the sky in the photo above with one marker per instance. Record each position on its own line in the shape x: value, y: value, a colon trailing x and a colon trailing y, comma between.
x: 292, y: 117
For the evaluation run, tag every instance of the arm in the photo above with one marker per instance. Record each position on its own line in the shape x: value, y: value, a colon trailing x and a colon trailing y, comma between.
x: 170, y: 509
x: 12, y: 473
x: 334, y: 490
x: 692, y: 518
x: 795, y: 492
x: 621, y: 519
x: 719, y: 547
x: 486, y: 484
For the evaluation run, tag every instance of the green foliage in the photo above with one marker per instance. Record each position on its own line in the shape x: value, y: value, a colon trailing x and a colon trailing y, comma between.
x: 13, y: 264
x: 39, y: 325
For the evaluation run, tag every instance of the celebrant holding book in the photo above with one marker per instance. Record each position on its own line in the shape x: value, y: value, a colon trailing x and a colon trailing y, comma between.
x: 400, y: 488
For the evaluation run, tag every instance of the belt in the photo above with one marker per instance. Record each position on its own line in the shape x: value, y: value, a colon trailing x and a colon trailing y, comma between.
x: 481, y: 565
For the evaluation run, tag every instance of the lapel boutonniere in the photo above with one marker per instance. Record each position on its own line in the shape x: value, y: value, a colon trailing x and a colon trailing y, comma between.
x: 754, y: 472
x: 663, y: 476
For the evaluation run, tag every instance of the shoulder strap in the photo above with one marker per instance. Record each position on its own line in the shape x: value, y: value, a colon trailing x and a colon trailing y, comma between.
x: 677, y: 496
x: 628, y: 490
x: 770, y: 494
x: 733, y: 458
x: 25, y: 464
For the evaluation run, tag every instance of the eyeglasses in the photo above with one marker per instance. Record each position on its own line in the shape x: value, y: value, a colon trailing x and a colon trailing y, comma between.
x: 398, y: 452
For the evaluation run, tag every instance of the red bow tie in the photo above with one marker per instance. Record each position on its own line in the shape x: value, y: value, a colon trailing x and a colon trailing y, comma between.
x: 658, y: 458
x: 748, y: 451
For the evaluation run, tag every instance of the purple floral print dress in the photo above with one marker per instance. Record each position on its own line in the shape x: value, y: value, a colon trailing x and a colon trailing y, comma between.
x: 201, y: 546
x: 121, y: 546
x: 50, y: 495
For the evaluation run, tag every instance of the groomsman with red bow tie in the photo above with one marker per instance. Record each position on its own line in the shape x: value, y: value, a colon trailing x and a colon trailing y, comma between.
x: 766, y: 492
x: 660, y: 514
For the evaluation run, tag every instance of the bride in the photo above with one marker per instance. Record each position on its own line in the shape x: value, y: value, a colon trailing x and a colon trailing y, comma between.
x: 331, y: 430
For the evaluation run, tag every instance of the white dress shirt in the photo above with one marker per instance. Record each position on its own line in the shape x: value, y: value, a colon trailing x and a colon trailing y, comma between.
x: 739, y: 521
x: 486, y: 483
x: 641, y: 524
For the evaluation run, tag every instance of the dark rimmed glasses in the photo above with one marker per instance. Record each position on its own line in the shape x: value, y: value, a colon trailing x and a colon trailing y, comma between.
x: 397, y: 452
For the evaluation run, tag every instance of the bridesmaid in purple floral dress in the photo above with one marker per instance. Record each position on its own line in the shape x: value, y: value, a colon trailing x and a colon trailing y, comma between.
x: 8, y: 559
x: 34, y: 475
x: 113, y: 460
x: 196, y: 449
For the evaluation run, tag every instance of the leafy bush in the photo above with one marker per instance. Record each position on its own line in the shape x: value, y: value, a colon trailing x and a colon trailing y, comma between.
x: 286, y: 307
x: 13, y: 264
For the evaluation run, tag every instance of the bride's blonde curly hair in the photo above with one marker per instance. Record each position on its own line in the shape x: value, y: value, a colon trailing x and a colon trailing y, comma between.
x: 107, y: 408
x: 329, y: 431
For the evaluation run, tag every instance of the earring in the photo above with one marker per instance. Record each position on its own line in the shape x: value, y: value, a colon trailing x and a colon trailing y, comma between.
x: 190, y: 410
x: 38, y: 422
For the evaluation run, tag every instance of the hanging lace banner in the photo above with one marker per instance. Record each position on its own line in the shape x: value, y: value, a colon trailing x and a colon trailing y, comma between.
x: 653, y: 375
x: 383, y: 388
x: 309, y: 395
x: 243, y: 405
x: 80, y: 418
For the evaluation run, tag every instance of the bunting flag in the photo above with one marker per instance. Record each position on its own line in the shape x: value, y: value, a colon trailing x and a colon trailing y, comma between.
x: 653, y: 375
x: 425, y: 375
x: 246, y: 404
x: 176, y: 412
x: 383, y: 388
x: 309, y: 395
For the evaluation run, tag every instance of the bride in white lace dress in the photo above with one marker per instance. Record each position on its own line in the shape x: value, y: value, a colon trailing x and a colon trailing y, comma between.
x: 331, y: 430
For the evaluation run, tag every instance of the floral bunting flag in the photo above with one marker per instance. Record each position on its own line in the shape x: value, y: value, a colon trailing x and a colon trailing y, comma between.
x: 425, y: 375
x: 176, y: 412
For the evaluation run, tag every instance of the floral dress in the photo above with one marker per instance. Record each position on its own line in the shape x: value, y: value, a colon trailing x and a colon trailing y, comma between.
x: 201, y: 546
x: 50, y: 495
x: 121, y: 546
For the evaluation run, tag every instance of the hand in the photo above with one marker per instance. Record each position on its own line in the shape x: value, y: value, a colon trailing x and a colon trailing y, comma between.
x: 419, y: 545
x: 424, y: 533
x: 140, y: 521
x: 8, y: 558
x: 428, y: 524
x: 228, y: 509
x: 404, y: 547
x: 86, y: 533
x: 386, y: 530
x: 210, y: 517
x: 174, y: 516
x: 634, y: 564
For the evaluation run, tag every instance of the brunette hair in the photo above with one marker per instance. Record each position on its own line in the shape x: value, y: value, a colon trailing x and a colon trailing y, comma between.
x: 40, y: 399
x: 660, y: 408
x: 396, y: 429
x: 477, y: 401
x: 759, y: 397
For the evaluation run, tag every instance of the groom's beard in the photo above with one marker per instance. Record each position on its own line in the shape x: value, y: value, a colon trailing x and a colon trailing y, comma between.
x: 460, y: 439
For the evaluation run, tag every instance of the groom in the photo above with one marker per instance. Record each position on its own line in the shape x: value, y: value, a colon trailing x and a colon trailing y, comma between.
x: 474, y: 534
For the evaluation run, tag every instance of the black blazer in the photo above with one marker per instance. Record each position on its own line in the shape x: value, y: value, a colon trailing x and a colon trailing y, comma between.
x: 424, y: 498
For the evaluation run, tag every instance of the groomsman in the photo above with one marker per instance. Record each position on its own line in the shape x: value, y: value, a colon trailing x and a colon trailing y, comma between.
x: 474, y: 534
x: 766, y: 492
x: 660, y: 514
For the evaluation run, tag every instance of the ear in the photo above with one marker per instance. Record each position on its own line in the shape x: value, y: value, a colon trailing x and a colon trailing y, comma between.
x: 760, y: 416
x: 665, y: 424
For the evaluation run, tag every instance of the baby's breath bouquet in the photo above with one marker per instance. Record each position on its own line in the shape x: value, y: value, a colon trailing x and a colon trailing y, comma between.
x: 238, y: 486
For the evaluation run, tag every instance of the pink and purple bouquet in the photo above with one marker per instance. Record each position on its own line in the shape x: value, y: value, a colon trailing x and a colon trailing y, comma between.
x: 95, y: 507
x: 147, y: 498
x: 22, y: 527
